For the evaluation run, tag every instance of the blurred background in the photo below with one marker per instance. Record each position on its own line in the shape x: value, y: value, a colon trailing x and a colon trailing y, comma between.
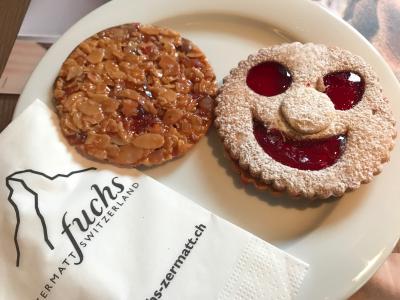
x: 43, y: 24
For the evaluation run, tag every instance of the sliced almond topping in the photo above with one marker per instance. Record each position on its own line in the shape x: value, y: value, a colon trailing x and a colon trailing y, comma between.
x: 129, y: 108
x: 96, y: 56
x: 113, y: 70
x: 89, y: 108
x: 151, y: 30
x: 100, y: 140
x: 149, y: 141
x: 169, y: 95
x: 131, y: 94
x: 135, y: 94
x: 73, y: 72
x: 172, y: 116
x: 169, y: 65
x: 128, y: 154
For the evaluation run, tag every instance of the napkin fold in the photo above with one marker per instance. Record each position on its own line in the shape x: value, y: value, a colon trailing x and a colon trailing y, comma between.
x: 75, y: 229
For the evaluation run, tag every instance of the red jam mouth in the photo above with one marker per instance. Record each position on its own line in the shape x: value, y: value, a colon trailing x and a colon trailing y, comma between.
x: 313, y: 154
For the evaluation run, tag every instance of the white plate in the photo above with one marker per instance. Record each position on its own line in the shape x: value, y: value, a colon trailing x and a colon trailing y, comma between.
x: 344, y: 241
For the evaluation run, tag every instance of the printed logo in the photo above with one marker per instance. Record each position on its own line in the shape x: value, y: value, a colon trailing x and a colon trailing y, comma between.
x: 14, y: 178
x: 91, y: 210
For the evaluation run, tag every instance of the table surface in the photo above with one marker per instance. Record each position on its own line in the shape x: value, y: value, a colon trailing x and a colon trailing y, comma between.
x: 378, y: 21
x: 11, y: 15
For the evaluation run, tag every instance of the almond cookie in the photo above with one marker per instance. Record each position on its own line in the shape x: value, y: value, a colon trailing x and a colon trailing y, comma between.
x: 135, y: 95
x: 307, y: 119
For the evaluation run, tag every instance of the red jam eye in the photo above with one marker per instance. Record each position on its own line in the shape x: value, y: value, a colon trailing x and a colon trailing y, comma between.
x: 345, y: 89
x: 269, y: 78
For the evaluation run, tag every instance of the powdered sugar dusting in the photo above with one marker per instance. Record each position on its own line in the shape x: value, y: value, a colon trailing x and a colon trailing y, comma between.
x: 369, y: 125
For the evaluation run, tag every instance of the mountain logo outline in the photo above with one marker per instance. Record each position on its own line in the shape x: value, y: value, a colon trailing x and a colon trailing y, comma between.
x: 11, y: 178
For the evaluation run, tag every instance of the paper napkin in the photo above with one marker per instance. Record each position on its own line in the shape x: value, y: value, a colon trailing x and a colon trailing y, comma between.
x: 74, y: 229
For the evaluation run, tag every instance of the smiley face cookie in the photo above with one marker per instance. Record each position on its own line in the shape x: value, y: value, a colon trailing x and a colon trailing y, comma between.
x: 307, y: 119
x: 135, y: 95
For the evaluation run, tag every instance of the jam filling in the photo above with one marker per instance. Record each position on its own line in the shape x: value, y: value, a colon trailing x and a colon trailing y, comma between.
x: 139, y: 123
x: 313, y: 154
x: 269, y: 78
x: 344, y: 88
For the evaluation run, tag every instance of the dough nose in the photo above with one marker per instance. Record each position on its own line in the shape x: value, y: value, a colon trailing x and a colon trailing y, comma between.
x: 307, y: 110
